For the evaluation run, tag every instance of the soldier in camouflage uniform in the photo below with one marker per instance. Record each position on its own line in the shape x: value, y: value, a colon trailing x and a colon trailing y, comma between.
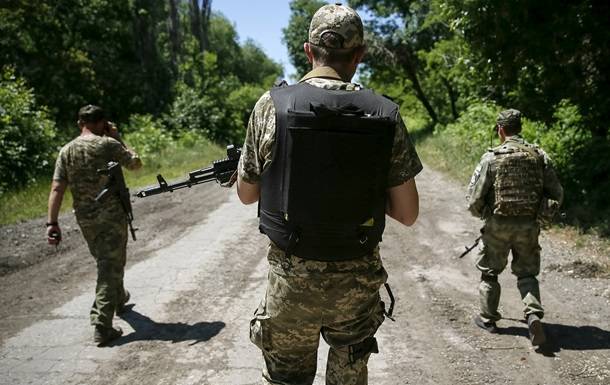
x: 104, y: 225
x: 305, y: 297
x: 508, y: 189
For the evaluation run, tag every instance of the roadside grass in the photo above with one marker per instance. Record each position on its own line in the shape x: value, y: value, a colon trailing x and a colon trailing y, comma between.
x: 174, y: 162
x: 457, y: 160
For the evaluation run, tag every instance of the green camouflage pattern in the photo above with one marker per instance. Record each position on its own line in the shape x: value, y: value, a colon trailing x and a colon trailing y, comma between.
x: 509, y: 118
x: 306, y: 299
x: 260, y: 136
x: 339, y: 19
x: 103, y: 224
x: 500, y: 236
x: 504, y: 234
x: 77, y: 164
x: 106, y: 238
x: 519, y: 177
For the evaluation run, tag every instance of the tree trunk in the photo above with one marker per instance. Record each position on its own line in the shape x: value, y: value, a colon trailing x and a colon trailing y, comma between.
x: 408, y: 64
x: 174, y: 38
x: 196, y: 28
x: 452, y: 97
x: 206, y: 11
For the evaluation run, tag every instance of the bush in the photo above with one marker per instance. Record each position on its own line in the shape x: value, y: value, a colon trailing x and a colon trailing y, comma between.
x: 26, y: 134
x: 147, y: 136
x: 581, y: 161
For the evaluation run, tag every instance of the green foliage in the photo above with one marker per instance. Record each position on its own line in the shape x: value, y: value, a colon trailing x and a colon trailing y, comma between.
x: 297, y: 32
x: 76, y: 52
x: 26, y: 133
x: 458, y: 147
x: 148, y: 136
x: 537, y: 53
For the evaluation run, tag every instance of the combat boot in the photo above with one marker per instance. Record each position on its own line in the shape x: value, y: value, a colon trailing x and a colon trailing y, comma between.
x: 536, y: 331
x: 102, y: 335
x: 489, y: 326
x: 121, y: 306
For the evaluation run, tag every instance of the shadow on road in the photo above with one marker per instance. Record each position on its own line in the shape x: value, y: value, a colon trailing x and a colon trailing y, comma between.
x: 145, y: 329
x: 565, y: 337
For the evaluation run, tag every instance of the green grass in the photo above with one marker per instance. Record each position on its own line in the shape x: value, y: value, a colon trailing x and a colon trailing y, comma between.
x: 176, y: 162
x: 457, y: 160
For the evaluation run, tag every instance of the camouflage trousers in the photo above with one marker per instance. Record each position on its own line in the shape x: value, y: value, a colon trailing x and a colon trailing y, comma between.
x: 306, y: 299
x: 519, y: 236
x: 106, y: 236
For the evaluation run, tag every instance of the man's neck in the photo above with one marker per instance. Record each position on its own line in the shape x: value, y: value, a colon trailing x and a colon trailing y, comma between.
x: 343, y: 74
x: 86, y: 131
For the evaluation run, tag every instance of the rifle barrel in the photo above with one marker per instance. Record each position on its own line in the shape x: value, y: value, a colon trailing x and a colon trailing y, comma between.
x: 164, y: 187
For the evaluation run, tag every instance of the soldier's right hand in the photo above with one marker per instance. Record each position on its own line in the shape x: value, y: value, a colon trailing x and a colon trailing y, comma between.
x: 113, y: 131
x: 53, y: 235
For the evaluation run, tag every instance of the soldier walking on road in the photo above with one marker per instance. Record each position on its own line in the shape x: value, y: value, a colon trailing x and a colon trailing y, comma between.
x: 509, y: 189
x: 103, y: 224
x: 327, y: 160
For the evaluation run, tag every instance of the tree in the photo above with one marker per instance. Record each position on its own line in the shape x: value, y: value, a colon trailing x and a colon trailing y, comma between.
x: 538, y: 53
x: 26, y: 133
x: 297, y: 32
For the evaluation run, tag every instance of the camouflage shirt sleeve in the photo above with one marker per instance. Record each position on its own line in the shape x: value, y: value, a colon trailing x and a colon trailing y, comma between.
x: 552, y: 187
x: 404, y: 163
x: 257, y: 151
x: 119, y: 153
x: 60, y: 173
x: 478, y: 188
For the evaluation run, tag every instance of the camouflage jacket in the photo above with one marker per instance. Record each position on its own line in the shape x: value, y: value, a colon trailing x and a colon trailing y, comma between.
x: 481, y: 193
x: 77, y: 165
x: 260, y: 135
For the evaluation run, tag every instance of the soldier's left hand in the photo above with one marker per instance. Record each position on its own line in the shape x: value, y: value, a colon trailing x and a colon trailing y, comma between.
x: 231, y: 180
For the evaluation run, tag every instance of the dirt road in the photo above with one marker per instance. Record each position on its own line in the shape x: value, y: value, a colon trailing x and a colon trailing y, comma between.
x: 197, y: 273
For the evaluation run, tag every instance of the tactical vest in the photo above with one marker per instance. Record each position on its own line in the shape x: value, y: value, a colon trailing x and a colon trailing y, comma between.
x: 323, y: 195
x: 519, y: 180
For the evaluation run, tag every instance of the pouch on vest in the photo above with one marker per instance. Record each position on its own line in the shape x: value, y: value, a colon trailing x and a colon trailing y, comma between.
x: 518, y: 183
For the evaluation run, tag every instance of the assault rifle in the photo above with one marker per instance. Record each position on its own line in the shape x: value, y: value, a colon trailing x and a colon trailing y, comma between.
x: 221, y: 171
x: 116, y: 185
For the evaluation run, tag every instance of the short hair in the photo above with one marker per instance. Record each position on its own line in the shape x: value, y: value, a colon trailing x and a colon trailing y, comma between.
x: 511, y: 129
x: 325, y: 54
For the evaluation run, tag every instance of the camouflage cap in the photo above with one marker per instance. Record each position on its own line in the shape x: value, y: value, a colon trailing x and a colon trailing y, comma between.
x: 91, y: 113
x: 509, y: 118
x: 339, y: 19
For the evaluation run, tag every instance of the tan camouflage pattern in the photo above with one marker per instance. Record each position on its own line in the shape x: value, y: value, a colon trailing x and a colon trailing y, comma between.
x: 500, y: 236
x: 260, y: 135
x: 339, y: 19
x: 518, y: 182
x: 77, y: 164
x: 306, y: 299
x: 103, y: 225
x: 481, y: 194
